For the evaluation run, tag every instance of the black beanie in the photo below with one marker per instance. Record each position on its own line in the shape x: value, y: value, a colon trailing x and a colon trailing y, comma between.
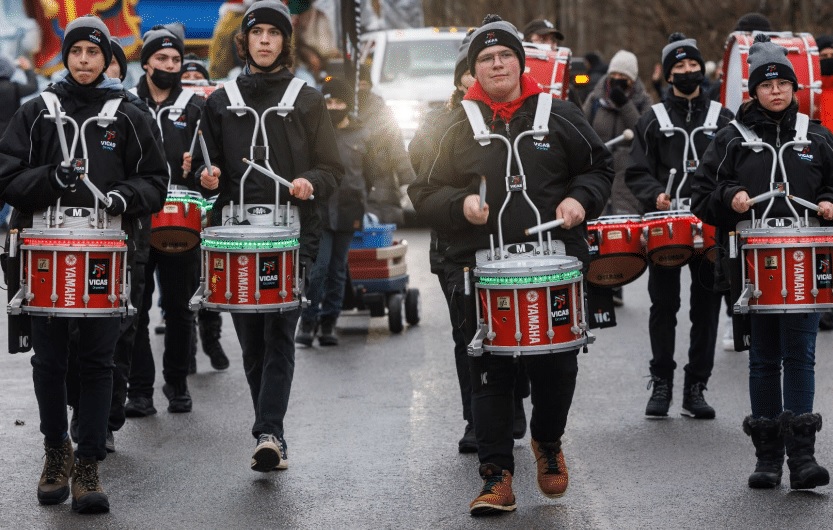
x: 824, y: 41
x: 91, y: 29
x: 753, y: 22
x: 335, y: 87
x: 462, y: 64
x: 677, y: 49
x: 159, y: 38
x: 495, y: 32
x: 768, y: 60
x: 118, y: 54
x: 268, y: 12
x: 192, y: 65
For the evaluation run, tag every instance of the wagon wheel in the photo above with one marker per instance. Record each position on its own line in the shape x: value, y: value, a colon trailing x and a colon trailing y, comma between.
x: 413, y: 308
x: 395, y: 313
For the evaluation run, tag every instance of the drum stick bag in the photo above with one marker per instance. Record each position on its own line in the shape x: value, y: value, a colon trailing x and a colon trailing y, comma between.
x: 600, y: 306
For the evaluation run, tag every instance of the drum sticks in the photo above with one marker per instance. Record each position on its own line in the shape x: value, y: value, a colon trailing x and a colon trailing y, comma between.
x: 271, y: 174
x: 543, y: 227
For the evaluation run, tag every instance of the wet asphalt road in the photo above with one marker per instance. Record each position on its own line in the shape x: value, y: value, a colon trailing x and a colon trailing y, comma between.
x: 372, y: 430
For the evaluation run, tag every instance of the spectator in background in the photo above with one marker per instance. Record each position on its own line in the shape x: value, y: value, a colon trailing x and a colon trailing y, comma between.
x: 384, y: 199
x: 10, y: 94
x: 312, y: 26
x: 542, y: 31
x: 310, y: 65
x: 222, y: 52
x: 596, y: 68
x: 193, y: 69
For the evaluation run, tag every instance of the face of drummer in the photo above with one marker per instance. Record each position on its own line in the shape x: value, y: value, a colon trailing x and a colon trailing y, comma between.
x: 85, y: 62
x: 774, y: 95
x: 166, y: 60
x: 265, y: 43
x: 498, y: 70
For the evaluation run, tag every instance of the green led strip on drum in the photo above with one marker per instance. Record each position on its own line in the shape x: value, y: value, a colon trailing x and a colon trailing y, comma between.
x: 202, y: 203
x: 526, y: 280
x: 221, y: 244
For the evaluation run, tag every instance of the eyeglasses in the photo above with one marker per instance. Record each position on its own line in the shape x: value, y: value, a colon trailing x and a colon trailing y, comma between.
x: 488, y: 60
x: 769, y: 86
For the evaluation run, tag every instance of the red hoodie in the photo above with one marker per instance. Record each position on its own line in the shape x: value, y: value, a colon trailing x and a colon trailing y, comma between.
x: 504, y: 111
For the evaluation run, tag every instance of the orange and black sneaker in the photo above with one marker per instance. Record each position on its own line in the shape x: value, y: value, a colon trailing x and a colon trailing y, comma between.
x: 496, y: 495
x: 553, y: 478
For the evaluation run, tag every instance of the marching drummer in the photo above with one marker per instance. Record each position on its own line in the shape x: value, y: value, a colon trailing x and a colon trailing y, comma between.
x: 573, y: 189
x: 302, y: 149
x: 160, y: 88
x: 125, y: 163
x: 782, y: 417
x: 654, y: 154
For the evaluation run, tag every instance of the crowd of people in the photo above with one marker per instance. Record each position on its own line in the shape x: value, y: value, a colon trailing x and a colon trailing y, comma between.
x: 103, y: 368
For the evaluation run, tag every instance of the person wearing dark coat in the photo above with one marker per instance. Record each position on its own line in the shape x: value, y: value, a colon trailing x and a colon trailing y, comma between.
x: 572, y: 188
x: 782, y: 416
x: 303, y: 150
x: 130, y: 169
x: 653, y: 155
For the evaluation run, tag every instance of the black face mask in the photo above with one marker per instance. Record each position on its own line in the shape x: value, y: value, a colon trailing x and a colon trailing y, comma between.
x: 688, y: 82
x: 826, y: 66
x: 165, y: 80
x: 337, y: 115
x: 618, y: 83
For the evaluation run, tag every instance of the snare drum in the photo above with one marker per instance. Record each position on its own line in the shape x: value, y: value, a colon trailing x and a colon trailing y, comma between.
x: 250, y: 269
x: 669, y: 237
x: 176, y: 228
x: 786, y: 270
x: 616, y: 253
x: 531, y: 305
x: 73, y: 273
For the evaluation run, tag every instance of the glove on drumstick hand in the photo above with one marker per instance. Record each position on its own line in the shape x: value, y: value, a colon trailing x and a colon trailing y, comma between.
x: 64, y: 177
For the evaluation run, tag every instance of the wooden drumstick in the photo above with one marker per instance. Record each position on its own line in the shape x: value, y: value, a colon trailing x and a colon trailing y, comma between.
x: 272, y: 175
x: 807, y: 204
x: 764, y: 196
x: 482, y: 192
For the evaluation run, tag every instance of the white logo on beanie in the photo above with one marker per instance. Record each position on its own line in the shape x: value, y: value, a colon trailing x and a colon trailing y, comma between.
x: 95, y: 36
x: 166, y: 43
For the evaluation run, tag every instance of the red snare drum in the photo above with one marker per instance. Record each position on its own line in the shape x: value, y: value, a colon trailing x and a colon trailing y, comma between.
x: 786, y: 270
x: 705, y: 241
x: 176, y: 228
x: 616, y: 253
x: 550, y: 68
x: 73, y: 273
x: 250, y: 269
x: 802, y: 53
x: 530, y: 305
x: 669, y: 237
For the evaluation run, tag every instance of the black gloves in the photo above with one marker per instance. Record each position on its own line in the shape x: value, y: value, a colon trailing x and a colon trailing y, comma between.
x: 117, y: 205
x: 618, y: 96
x: 64, y: 177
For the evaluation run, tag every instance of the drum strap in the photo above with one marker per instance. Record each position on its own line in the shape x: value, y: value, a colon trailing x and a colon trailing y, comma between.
x: 664, y: 120
x: 107, y: 111
x: 748, y: 135
x: 802, y: 123
x: 478, y: 124
x: 540, y: 124
x: 180, y: 103
x: 286, y: 105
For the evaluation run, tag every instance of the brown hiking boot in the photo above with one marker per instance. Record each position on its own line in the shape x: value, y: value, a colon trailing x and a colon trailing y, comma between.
x: 496, y: 495
x: 553, y: 478
x: 53, y: 487
x: 87, y: 494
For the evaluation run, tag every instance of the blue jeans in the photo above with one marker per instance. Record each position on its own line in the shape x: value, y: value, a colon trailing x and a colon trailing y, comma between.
x: 326, y: 282
x: 788, y: 339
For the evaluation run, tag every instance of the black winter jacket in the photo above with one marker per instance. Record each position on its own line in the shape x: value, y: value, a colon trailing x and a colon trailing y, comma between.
x: 176, y: 135
x: 571, y: 161
x: 345, y: 209
x: 728, y: 168
x: 300, y: 145
x: 653, y: 154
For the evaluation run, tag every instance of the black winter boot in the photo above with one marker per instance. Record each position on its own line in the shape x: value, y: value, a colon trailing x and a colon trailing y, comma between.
x: 769, y: 448
x: 660, y: 400
x: 306, y: 332
x: 800, y: 439
x: 328, y: 335
x: 210, y: 329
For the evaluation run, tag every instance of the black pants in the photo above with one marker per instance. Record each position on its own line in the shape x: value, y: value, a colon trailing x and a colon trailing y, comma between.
x: 121, y: 357
x: 498, y: 381
x: 704, y: 313
x: 178, y: 279
x: 96, y: 342
x: 268, y: 344
x: 461, y: 357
